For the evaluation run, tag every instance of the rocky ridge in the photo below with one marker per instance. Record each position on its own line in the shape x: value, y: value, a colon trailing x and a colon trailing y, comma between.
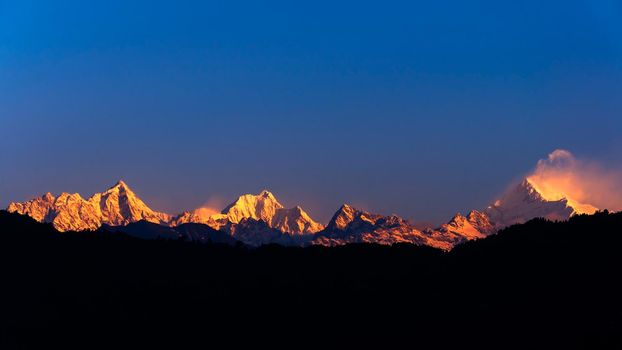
x: 262, y: 219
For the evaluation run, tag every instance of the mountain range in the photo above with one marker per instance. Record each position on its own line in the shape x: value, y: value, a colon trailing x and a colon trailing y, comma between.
x: 261, y: 219
x: 116, y: 206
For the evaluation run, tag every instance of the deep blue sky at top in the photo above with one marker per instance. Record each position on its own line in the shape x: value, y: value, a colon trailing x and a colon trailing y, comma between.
x: 420, y: 108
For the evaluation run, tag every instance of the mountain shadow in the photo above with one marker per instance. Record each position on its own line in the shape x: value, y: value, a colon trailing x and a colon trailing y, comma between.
x: 542, y: 284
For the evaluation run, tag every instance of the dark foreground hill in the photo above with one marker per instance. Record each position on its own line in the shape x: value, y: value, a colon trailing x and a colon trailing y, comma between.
x: 537, y: 285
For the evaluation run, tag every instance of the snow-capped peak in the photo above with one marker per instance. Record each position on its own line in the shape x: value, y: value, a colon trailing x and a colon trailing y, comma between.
x: 522, y: 203
x: 343, y: 217
x: 257, y: 217
x: 259, y: 207
x: 267, y: 194
x: 265, y: 207
x: 475, y: 225
x: 294, y: 221
x: 120, y: 183
x: 116, y: 206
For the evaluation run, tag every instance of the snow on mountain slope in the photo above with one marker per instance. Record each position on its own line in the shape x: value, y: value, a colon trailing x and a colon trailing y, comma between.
x: 523, y: 203
x: 37, y: 208
x: 518, y: 205
x: 121, y: 206
x: 117, y: 206
x: 259, y: 207
x: 261, y: 219
x: 263, y: 207
x: 348, y: 218
x: 475, y: 225
x: 351, y: 225
x: 266, y: 207
x: 294, y: 221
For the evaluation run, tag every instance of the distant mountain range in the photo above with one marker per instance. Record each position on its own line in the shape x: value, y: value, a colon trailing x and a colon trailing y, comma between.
x: 117, y: 206
x: 260, y: 219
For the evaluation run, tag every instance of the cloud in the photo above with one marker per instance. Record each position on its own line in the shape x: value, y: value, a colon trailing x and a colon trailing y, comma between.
x: 586, y: 185
x: 214, y: 205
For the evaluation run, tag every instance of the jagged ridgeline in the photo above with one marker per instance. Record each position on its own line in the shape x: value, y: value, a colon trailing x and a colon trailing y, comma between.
x: 261, y: 219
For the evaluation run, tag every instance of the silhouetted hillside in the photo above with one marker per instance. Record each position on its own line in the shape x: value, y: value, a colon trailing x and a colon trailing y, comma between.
x: 537, y: 285
x: 204, y: 234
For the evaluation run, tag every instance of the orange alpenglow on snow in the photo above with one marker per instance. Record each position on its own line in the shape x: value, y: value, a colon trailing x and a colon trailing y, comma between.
x: 117, y: 206
x: 263, y: 207
x: 586, y: 186
x: 555, y: 189
x: 560, y: 186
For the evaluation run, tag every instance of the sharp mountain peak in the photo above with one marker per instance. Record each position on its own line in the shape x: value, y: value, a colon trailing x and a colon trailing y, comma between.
x: 119, y: 205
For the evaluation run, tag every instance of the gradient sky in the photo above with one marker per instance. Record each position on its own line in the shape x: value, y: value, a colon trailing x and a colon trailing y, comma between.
x: 416, y: 108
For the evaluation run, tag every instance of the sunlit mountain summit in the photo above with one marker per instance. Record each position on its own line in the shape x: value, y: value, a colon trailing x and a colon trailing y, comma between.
x: 258, y: 219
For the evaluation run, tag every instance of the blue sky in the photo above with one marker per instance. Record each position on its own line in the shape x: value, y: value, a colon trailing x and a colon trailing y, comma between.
x: 416, y: 108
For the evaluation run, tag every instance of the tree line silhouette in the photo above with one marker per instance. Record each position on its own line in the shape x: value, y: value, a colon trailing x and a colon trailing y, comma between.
x: 537, y: 285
